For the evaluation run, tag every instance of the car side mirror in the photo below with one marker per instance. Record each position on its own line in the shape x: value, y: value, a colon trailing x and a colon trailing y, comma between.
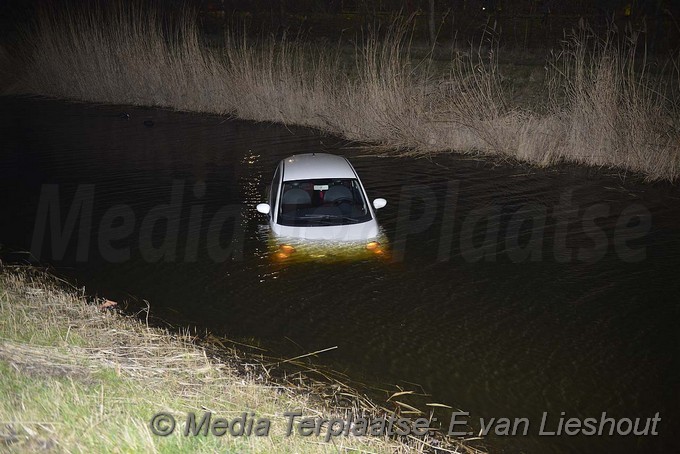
x: 379, y: 203
x: 263, y: 208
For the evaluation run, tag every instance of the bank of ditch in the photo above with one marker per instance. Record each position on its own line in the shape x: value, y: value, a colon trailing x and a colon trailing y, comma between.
x: 76, y: 376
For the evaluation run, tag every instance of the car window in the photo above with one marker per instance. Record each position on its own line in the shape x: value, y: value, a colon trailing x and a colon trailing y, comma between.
x: 322, y: 202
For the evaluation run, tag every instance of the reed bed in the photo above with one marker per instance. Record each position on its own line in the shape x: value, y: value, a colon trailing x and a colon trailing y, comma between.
x: 602, y: 107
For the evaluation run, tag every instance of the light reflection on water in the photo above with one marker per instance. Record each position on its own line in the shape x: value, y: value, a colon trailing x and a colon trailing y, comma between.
x: 496, y: 338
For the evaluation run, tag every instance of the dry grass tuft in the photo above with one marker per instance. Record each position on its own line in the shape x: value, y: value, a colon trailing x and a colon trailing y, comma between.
x: 610, y: 111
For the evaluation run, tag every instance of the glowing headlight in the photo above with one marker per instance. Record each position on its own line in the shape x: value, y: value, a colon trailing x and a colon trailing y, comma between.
x: 286, y: 248
x: 284, y: 251
x: 373, y: 245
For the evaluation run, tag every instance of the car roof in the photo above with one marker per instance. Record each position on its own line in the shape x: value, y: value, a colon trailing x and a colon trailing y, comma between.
x: 316, y: 165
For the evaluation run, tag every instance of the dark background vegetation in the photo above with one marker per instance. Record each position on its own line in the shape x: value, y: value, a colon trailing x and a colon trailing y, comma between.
x: 521, y: 24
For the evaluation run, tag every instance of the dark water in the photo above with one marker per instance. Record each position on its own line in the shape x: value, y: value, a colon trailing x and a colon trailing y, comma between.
x: 584, y: 323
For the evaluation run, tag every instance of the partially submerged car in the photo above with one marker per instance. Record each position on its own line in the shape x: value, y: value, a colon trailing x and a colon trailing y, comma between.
x: 319, y: 196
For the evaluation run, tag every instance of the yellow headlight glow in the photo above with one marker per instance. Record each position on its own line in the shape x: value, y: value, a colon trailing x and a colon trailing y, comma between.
x: 287, y: 248
x: 373, y: 245
x: 300, y: 251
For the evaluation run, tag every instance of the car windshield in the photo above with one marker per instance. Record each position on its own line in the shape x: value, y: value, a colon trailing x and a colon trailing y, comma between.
x: 322, y: 202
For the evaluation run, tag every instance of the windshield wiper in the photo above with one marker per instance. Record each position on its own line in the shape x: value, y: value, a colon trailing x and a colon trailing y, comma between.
x: 328, y: 217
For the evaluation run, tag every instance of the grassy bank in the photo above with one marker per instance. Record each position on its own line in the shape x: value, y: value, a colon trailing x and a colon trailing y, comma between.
x: 600, y: 106
x: 76, y: 378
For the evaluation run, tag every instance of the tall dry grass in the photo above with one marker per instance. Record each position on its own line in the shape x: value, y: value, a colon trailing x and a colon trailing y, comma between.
x: 610, y: 111
x: 614, y: 111
x: 119, y: 55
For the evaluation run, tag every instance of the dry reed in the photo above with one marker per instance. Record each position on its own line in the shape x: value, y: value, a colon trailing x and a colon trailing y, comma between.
x: 610, y: 112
